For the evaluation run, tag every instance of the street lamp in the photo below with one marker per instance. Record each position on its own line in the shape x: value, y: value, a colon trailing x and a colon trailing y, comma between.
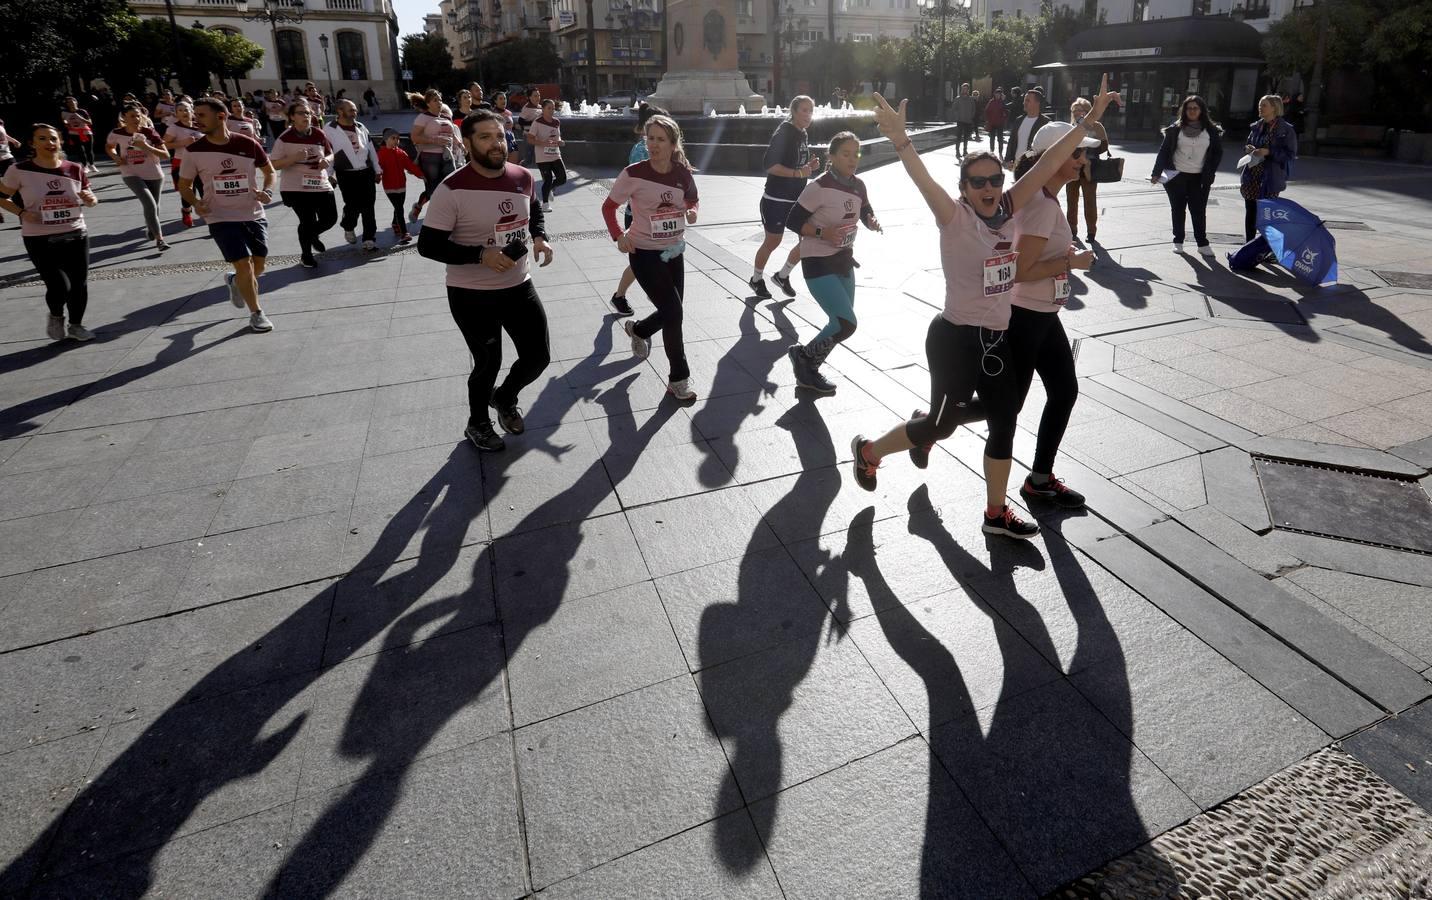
x: 632, y: 21
x: 478, y: 27
x: 274, y: 12
x: 943, y: 8
x: 786, y: 37
x: 323, y: 42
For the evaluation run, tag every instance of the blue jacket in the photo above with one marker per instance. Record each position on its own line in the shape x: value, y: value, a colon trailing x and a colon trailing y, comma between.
x: 1282, y: 150
x: 1170, y: 145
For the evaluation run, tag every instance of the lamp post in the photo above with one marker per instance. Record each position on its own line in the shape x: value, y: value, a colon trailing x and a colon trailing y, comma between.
x: 475, y: 24
x: 327, y: 66
x: 632, y: 21
x: 275, y: 12
x: 786, y: 36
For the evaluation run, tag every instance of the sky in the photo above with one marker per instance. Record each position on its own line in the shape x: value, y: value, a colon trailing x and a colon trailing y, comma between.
x: 410, y: 14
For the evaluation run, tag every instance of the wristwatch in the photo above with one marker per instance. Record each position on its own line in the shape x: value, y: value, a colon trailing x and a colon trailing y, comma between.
x: 819, y: 231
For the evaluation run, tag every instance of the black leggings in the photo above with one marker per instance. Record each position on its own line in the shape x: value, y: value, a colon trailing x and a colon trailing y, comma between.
x: 1187, y: 192
x: 1039, y: 344
x: 86, y: 149
x: 481, y: 316
x: 554, y: 175
x: 398, y: 199
x: 436, y: 167
x: 63, y: 263
x: 198, y: 189
x: 663, y: 282
x: 317, y: 212
x: 964, y: 359
x: 1250, y: 216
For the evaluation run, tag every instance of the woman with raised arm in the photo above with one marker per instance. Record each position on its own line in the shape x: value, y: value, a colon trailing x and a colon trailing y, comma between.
x: 965, y: 347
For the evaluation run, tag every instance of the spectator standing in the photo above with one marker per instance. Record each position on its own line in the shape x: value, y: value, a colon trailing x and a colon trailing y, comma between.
x: 965, y: 111
x: 1273, y: 145
x: 996, y: 115
x: 1186, y: 164
x: 1021, y: 133
x: 1084, y: 182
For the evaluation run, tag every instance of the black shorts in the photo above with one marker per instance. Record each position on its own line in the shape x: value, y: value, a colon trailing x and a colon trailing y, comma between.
x: 774, y: 214
x: 240, y: 240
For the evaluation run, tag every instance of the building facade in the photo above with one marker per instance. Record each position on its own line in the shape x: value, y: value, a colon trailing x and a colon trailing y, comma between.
x: 362, y: 38
x: 1260, y: 14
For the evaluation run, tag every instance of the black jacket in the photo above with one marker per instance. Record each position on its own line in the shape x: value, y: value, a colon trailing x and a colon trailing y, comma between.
x: 1011, y: 153
x: 1164, y: 160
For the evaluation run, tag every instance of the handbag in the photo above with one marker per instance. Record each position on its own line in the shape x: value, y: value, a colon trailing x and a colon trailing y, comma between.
x: 1102, y: 171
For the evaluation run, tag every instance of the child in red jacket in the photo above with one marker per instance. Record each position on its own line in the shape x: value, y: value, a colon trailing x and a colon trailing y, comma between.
x: 396, y: 165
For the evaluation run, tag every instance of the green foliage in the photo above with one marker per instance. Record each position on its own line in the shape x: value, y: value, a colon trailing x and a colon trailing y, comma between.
x: 1290, y: 45
x: 52, y: 40
x: 431, y: 64
x: 232, y: 55
x: 525, y: 61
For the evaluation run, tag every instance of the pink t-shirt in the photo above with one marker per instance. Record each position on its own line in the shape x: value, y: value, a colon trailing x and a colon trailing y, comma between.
x: 1043, y: 217
x: 303, y: 177
x: 484, y: 212
x: 547, y: 130
x: 52, y: 194
x: 659, y: 201
x: 436, y: 128
x: 136, y: 161
x: 243, y: 126
x: 230, y: 175
x: 180, y: 134
x: 837, y: 210
x: 979, y: 264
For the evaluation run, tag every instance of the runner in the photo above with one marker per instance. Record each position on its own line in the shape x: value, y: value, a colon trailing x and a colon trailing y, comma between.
x: 436, y: 141
x: 637, y: 154
x: 355, y: 159
x: 180, y: 134
x: 545, y: 136
x: 528, y: 114
x: 662, y: 193
x: 164, y: 112
x: 79, y: 130
x: 478, y: 224
x: 139, y: 153
x: 396, y: 164
x: 232, y: 204
x: 464, y: 107
x: 499, y: 106
x: 1044, y: 241
x: 241, y: 121
x: 52, y: 228
x: 7, y: 156
x: 827, y: 216
x: 304, y: 157
x: 788, y: 164
x: 966, y: 346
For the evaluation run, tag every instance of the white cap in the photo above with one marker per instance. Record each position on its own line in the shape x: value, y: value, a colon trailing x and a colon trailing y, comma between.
x: 1050, y: 135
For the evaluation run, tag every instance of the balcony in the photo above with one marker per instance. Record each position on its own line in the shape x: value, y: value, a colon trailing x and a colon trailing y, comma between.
x: 346, y: 5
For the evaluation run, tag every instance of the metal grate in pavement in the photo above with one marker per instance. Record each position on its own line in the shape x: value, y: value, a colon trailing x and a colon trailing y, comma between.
x: 1416, y: 281
x: 1347, y: 226
x: 1346, y: 504
x: 1327, y: 827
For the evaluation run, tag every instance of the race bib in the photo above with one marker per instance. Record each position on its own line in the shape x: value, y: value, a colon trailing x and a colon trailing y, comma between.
x: 551, y: 151
x: 846, y: 234
x: 510, y: 233
x: 58, y: 211
x: 668, y: 225
x: 999, y: 274
x: 231, y: 185
x: 313, y: 182
x: 1061, y: 289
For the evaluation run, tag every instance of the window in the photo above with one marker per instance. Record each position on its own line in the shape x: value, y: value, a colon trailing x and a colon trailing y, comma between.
x: 747, y: 9
x: 352, y: 61
x: 1141, y: 11
x: 863, y: 38
x: 1200, y: 7
x: 291, y: 60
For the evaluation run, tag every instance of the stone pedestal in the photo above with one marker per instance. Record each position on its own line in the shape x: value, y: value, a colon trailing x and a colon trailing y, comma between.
x: 701, y: 67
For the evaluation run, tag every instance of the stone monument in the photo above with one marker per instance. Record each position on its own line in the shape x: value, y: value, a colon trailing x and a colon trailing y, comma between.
x: 702, y: 70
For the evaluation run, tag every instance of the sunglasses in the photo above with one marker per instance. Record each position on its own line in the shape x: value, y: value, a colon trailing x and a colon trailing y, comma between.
x: 978, y: 182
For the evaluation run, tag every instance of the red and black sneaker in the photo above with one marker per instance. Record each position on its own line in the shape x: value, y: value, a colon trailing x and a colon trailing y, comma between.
x: 864, y: 471
x: 1010, y: 525
x: 920, y: 453
x: 1054, y: 490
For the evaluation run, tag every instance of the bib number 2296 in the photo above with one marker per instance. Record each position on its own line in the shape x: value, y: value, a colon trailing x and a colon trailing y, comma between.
x: 999, y: 273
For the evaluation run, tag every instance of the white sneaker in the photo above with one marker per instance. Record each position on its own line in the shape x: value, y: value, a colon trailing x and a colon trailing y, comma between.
x: 681, y: 390
x: 546, y: 207
x: 79, y: 333
x: 640, y: 346
x: 260, y: 322
x: 54, y: 327
x: 370, y: 246
x: 235, y: 297
x: 1205, y: 250
x: 1178, y: 246
x: 350, y: 236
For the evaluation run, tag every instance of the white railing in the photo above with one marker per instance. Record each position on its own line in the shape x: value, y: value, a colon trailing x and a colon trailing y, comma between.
x: 347, y: 5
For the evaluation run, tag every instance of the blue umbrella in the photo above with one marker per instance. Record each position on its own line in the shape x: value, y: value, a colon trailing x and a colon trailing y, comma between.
x: 1299, y: 240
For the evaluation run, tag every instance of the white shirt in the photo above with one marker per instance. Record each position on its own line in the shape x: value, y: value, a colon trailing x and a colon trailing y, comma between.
x: 1189, y: 153
x: 1026, y: 134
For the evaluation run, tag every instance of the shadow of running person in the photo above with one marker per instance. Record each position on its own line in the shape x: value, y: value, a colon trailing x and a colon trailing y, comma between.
x: 732, y: 401
x: 183, y: 757
x: 1051, y: 776
x: 416, y: 689
x: 775, y: 609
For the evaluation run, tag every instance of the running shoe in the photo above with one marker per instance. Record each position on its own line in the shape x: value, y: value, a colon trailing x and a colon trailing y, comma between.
x: 621, y: 305
x: 920, y: 453
x: 318, y: 245
x: 1010, y: 525
x: 307, y: 261
x: 546, y: 207
x: 260, y: 322
x: 681, y: 390
x: 784, y: 283
x: 78, y: 333
x: 864, y: 471
x: 484, y: 438
x: 55, y: 327
x: 160, y: 245
x: 406, y: 238
x: 1178, y: 246
x: 235, y: 297
x: 1205, y: 250
x: 807, y: 375
x: 398, y: 230
x: 758, y: 287
x: 508, y: 416
x: 188, y: 220
x: 640, y: 346
x: 1053, y: 490
x: 413, y: 213
x: 350, y: 236
x: 370, y: 246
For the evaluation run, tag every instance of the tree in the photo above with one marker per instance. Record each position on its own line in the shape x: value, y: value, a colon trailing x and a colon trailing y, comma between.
x: 232, y: 55
x: 525, y: 61
x: 1289, y: 44
x: 56, y: 41
x: 427, y: 56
